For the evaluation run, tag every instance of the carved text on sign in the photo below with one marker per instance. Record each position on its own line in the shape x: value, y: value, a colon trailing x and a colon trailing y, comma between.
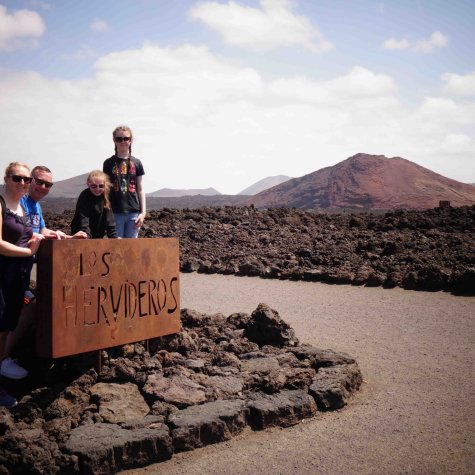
x: 100, y: 293
x: 105, y: 303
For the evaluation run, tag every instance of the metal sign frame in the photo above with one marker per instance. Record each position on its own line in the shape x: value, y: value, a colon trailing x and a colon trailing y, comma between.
x: 98, y: 293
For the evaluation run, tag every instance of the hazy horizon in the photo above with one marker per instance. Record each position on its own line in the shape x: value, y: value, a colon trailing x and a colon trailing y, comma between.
x: 224, y: 94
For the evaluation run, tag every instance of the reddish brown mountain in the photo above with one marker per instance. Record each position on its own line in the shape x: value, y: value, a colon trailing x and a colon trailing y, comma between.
x: 367, y: 182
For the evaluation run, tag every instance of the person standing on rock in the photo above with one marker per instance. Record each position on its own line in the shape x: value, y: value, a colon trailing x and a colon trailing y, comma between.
x: 18, y: 245
x: 93, y: 214
x: 127, y: 194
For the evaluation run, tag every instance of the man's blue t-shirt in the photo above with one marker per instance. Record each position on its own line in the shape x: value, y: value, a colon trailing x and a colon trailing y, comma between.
x: 33, y: 212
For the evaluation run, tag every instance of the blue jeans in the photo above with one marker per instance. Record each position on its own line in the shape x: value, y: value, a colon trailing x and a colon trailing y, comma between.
x: 125, y: 225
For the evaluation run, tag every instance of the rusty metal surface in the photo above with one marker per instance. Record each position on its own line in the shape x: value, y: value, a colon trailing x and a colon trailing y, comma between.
x: 99, y: 293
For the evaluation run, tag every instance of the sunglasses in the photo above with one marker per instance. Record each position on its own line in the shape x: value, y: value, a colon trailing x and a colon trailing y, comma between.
x: 19, y: 178
x: 47, y: 184
x: 122, y: 139
x: 93, y: 186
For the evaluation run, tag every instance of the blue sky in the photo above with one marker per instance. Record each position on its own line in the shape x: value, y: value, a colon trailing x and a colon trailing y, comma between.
x: 225, y: 93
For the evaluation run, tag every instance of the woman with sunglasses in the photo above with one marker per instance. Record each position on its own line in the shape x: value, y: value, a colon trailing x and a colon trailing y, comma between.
x: 93, y: 214
x: 127, y: 194
x: 17, y: 247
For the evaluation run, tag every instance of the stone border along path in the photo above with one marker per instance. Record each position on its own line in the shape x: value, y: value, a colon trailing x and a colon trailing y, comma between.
x: 201, y: 386
x: 414, y: 413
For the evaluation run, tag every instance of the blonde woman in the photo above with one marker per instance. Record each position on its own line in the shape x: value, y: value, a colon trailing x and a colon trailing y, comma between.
x: 127, y: 194
x: 17, y: 247
x: 93, y: 213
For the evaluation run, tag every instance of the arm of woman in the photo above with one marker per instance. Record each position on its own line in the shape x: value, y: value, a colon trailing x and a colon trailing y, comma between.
x: 11, y: 250
x: 143, y: 206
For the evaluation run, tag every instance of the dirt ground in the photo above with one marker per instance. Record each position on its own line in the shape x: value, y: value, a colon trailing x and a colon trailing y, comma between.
x: 415, y: 413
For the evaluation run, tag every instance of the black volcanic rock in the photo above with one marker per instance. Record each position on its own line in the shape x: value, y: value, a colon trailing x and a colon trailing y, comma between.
x: 421, y: 250
x: 219, y: 384
x: 267, y: 328
x: 108, y: 448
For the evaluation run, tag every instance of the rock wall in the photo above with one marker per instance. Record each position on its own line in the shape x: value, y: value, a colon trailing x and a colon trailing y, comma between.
x: 203, y: 385
x: 419, y: 250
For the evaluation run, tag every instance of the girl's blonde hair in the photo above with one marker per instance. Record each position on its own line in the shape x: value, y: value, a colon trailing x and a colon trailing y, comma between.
x: 123, y: 128
x: 100, y: 175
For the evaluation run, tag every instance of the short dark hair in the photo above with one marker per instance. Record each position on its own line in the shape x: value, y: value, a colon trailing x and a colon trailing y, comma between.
x: 40, y: 168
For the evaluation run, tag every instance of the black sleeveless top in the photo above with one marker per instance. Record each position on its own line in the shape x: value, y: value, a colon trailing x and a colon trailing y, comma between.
x: 15, y: 229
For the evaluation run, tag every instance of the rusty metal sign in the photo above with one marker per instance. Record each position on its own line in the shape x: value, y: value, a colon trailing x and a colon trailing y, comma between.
x: 98, y: 293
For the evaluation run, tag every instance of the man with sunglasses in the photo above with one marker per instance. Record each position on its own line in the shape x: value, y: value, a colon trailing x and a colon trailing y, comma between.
x: 39, y: 187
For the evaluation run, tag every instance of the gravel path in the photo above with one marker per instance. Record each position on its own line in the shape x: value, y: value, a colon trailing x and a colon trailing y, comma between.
x: 415, y: 413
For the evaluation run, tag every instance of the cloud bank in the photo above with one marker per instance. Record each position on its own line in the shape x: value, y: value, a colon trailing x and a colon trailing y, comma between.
x: 460, y: 85
x: 202, y: 121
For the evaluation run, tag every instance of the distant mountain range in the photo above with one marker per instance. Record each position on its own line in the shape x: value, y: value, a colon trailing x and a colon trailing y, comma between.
x: 69, y: 188
x: 173, y: 193
x: 361, y: 182
x: 367, y: 182
x: 265, y: 184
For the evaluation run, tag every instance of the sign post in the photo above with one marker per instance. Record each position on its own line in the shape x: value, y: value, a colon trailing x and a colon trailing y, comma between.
x: 99, y: 293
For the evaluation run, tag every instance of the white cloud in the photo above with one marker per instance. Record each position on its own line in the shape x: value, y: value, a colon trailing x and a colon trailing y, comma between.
x: 99, y: 26
x: 19, y: 29
x: 442, y: 110
x: 460, y: 85
x: 458, y: 143
x: 261, y: 29
x: 395, y: 44
x: 201, y: 121
x: 436, y: 40
x: 362, y: 82
x: 183, y: 80
x: 359, y: 83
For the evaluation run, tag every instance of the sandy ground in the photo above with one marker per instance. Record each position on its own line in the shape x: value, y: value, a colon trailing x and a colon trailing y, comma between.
x: 415, y: 413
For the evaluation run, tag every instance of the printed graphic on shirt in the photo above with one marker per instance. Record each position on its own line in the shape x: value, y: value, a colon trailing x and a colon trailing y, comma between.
x: 125, y: 176
x: 34, y: 220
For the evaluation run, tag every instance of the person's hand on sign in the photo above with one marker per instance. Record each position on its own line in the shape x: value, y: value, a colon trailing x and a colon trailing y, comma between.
x: 78, y: 235
x: 34, y: 243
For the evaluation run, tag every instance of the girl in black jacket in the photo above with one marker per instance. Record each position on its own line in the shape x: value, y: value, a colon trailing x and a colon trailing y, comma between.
x: 93, y: 213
